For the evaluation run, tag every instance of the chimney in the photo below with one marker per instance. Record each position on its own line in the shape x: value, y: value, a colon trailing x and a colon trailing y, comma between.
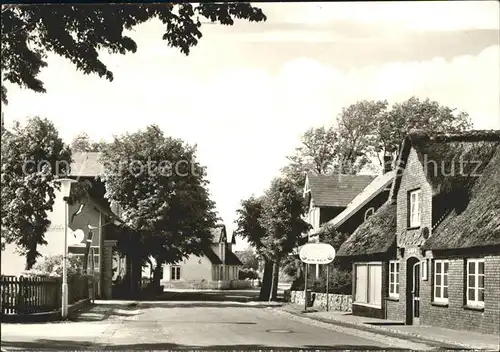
x: 387, y: 163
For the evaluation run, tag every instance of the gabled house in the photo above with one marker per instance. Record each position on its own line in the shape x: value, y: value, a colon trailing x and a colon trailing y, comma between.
x: 217, y: 267
x: 431, y: 254
x: 89, y: 214
x: 326, y: 196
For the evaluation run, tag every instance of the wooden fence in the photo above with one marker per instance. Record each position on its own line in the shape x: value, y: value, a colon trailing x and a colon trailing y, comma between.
x: 28, y: 295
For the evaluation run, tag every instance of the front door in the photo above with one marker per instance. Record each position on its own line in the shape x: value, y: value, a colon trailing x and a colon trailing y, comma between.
x: 416, y: 294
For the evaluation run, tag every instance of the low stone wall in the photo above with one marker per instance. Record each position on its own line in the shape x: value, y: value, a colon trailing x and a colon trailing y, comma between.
x: 209, y: 285
x: 337, y: 302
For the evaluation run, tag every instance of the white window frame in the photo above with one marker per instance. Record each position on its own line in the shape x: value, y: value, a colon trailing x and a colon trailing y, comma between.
x: 475, y: 302
x: 415, y: 210
x: 367, y: 303
x: 177, y: 271
x: 394, y: 268
x: 441, y: 298
x: 369, y: 212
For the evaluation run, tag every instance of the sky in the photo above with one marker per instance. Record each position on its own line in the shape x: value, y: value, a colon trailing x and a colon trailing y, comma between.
x: 247, y: 93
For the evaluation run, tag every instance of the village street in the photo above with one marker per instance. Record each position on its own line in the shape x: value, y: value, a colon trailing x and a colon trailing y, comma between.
x: 212, y: 321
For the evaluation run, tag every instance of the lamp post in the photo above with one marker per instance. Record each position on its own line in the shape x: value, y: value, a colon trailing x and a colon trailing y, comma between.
x: 65, y: 190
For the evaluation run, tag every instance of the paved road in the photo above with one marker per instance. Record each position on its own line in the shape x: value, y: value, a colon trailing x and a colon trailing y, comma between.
x: 209, y: 324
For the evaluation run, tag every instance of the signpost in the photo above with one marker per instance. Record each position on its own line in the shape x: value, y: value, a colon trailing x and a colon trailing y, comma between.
x: 316, y: 253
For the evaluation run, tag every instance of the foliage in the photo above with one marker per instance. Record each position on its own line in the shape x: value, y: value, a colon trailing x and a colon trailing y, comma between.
x: 33, y: 157
x: 365, y: 130
x: 248, y: 222
x: 340, y: 282
x: 249, y: 259
x: 83, y: 143
x: 292, y: 266
x: 282, y: 219
x: 79, y: 31
x: 248, y: 273
x: 162, y: 190
x: 53, y: 266
x: 329, y: 234
x: 318, y: 152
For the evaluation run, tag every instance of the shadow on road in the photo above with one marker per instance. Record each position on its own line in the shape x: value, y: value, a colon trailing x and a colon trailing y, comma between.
x: 52, y: 345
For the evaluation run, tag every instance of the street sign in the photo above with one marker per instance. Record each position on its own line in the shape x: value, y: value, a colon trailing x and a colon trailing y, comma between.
x: 317, y: 253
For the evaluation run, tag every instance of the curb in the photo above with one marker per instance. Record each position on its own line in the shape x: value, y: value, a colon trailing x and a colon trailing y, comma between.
x: 392, y: 333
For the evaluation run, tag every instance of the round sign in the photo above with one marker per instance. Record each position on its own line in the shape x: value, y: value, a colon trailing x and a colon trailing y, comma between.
x: 317, y: 253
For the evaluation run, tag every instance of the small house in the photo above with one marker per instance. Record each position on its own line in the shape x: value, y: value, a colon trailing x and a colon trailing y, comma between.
x: 217, y: 267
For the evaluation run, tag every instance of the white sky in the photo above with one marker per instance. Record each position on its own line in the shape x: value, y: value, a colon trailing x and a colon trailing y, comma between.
x: 247, y: 93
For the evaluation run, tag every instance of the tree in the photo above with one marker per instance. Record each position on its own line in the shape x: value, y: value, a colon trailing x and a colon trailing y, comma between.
x: 162, y: 190
x: 413, y: 113
x: 318, y: 152
x: 248, y: 258
x: 33, y: 157
x: 282, y: 219
x: 78, y: 31
x: 249, y: 226
x: 83, y: 143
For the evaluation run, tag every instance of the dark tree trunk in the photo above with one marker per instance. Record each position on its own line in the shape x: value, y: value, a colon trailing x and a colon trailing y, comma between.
x: 157, y: 275
x: 266, y: 281
x: 31, y: 257
x: 273, y: 292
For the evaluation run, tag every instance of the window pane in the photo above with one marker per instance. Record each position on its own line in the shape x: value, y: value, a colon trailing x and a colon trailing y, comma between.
x: 391, y: 278
x: 472, y: 294
x: 481, y: 295
x: 391, y: 268
x: 391, y: 288
x: 481, y: 267
x: 397, y: 268
x: 472, y: 269
x: 472, y: 281
x: 480, y: 280
x: 446, y: 267
x: 438, y: 268
x: 445, y: 292
x: 445, y: 280
x: 361, y: 283
x: 438, y: 292
x: 438, y: 280
x: 375, y: 287
x: 397, y: 288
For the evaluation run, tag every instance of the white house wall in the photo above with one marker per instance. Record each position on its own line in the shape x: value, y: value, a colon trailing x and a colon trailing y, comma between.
x: 192, y: 269
x: 14, y: 263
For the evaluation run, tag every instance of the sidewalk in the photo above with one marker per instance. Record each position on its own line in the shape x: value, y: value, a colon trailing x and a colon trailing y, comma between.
x: 461, y: 339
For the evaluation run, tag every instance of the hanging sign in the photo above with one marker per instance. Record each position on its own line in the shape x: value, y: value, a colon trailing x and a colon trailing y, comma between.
x: 317, y: 253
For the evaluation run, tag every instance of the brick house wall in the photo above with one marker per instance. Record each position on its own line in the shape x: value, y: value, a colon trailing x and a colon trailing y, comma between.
x: 454, y: 315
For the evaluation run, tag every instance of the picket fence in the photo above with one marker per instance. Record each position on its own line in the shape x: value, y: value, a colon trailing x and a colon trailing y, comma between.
x: 29, y: 295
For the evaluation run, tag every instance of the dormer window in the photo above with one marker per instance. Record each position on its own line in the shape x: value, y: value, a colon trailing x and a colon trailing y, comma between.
x: 369, y: 212
x: 415, y: 207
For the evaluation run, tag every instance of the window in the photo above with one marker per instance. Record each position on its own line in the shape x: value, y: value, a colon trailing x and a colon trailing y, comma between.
x: 394, y: 279
x: 368, y: 284
x: 475, y: 282
x: 175, y: 273
x: 441, y: 281
x: 369, y: 212
x: 415, y: 208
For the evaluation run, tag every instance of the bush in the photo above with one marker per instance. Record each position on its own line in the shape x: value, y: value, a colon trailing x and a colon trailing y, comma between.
x: 51, y: 266
x: 339, y: 282
x: 250, y: 274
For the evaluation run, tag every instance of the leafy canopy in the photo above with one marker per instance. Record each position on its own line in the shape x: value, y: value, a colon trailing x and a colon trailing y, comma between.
x: 33, y: 156
x: 78, y: 32
x: 162, y: 191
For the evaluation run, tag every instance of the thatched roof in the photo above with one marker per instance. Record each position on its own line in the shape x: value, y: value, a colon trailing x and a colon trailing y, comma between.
x: 375, y: 235
x: 86, y: 164
x: 449, y: 159
x: 477, y: 222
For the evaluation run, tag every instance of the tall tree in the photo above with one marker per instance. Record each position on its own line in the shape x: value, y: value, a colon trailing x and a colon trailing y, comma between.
x: 249, y: 259
x: 78, y: 32
x: 83, y: 143
x: 282, y: 219
x: 318, y: 152
x: 33, y: 157
x: 428, y: 115
x: 162, y: 190
x: 249, y: 226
